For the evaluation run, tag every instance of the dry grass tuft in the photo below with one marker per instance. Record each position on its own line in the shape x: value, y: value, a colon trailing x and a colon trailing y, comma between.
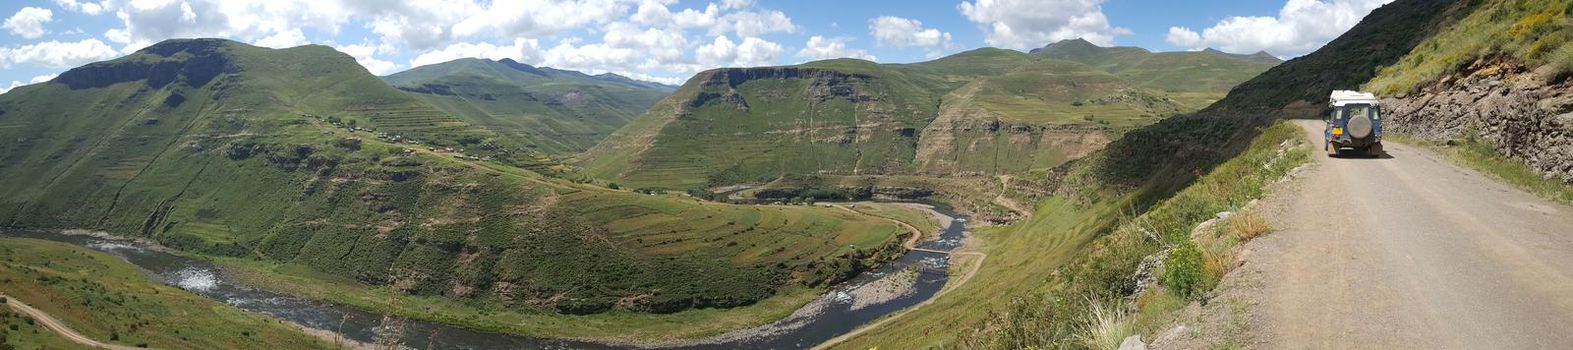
x: 1217, y: 262
x: 1248, y: 225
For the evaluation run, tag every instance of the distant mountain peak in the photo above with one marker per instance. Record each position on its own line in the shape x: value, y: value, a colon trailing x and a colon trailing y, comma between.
x: 510, y: 63
x: 169, y: 47
x: 619, y: 78
x: 1068, y: 45
x: 1259, y: 56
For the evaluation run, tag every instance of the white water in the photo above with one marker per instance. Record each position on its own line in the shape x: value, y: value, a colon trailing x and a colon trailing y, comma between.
x: 195, y: 279
x: 111, y: 246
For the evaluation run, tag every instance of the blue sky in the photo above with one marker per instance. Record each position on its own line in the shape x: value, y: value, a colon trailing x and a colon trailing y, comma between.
x: 661, y: 40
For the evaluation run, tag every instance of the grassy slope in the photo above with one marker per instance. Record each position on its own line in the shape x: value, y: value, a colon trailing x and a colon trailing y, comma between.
x: 1067, y: 254
x: 1027, y: 294
x: 1535, y: 32
x: 856, y: 117
x: 558, y: 112
x: 235, y: 170
x: 22, y: 332
x: 110, y: 300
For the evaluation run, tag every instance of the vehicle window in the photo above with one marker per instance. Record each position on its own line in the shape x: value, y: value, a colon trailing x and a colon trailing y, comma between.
x: 1356, y: 110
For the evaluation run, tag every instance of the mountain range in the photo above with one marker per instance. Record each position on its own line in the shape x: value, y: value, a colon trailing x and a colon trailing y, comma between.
x: 984, y: 112
x: 554, y: 111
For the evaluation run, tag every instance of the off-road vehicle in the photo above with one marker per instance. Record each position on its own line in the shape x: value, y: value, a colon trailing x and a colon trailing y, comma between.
x: 1354, y: 124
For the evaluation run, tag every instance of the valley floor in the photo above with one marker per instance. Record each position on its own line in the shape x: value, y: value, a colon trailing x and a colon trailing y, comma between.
x: 1404, y: 251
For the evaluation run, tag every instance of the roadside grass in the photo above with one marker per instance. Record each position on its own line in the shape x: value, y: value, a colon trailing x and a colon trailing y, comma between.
x: 1106, y: 325
x: 1037, y: 288
x: 112, y: 301
x: 1478, y: 155
x: 1248, y: 224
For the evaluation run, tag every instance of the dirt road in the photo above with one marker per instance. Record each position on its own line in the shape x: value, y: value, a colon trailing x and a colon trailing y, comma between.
x: 1414, y: 252
x: 58, y: 327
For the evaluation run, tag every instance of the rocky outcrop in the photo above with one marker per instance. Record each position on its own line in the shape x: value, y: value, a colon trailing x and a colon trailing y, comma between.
x: 824, y: 84
x: 1500, y: 103
x: 194, y: 61
x: 967, y: 139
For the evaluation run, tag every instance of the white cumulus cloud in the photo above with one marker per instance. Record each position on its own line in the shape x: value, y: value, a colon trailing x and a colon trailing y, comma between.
x: 657, y: 39
x: 286, y: 39
x: 57, y: 54
x: 1022, y: 24
x: 29, y: 22
x: 521, y: 49
x: 821, y: 48
x: 752, y: 52
x: 901, y: 32
x: 1301, y: 26
x: 366, y: 54
x: 1183, y: 37
x: 88, y: 7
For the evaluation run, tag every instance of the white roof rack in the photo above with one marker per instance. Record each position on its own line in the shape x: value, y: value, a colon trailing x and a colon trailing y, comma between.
x: 1343, y: 97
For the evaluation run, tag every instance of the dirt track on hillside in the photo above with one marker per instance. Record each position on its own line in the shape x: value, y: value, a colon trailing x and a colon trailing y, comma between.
x: 1404, y: 252
x: 58, y: 327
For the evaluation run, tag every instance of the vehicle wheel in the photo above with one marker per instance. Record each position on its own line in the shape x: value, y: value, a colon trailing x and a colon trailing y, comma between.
x: 1375, y: 150
x: 1332, y: 152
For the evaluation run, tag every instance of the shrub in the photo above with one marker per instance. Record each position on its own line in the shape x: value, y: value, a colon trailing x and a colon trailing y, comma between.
x: 1560, y: 62
x: 1183, y: 272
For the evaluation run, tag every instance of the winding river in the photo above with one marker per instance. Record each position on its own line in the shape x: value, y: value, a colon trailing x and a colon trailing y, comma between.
x: 915, y: 277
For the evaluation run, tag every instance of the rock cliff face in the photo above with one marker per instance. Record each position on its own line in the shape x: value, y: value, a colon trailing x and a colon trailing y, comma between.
x: 1503, y: 104
x: 969, y: 140
x: 195, y: 61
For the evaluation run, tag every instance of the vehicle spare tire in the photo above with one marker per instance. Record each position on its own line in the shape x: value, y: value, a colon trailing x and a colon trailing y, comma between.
x: 1359, y: 127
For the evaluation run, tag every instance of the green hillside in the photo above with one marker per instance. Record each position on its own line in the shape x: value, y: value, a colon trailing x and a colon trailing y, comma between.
x: 225, y: 149
x: 1141, y: 196
x: 554, y: 111
x: 112, y: 301
x: 1535, y: 34
x: 978, y: 113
